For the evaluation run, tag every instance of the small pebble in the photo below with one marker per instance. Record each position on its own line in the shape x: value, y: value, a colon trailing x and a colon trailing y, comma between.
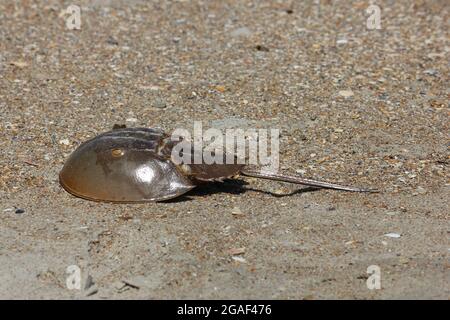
x: 159, y: 103
x: 392, y: 235
x: 431, y: 72
x: 237, y: 212
x: 346, y: 93
x: 221, y: 88
x: 393, y: 213
x: 65, y: 142
x: 19, y: 211
x: 236, y: 251
x: 239, y: 259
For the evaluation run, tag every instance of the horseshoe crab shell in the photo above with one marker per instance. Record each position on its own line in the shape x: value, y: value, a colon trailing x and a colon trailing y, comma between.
x: 124, y: 165
x: 135, y: 165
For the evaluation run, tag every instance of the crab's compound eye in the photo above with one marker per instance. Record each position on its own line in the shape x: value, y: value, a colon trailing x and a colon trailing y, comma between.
x: 117, y: 153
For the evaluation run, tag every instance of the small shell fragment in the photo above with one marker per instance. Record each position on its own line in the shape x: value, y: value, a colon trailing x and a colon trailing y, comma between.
x: 236, y: 251
x: 239, y: 259
x: 65, y: 142
x: 392, y: 235
x: 237, y: 212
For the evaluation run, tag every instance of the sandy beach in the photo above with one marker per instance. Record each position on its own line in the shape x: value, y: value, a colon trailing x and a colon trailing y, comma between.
x: 355, y: 104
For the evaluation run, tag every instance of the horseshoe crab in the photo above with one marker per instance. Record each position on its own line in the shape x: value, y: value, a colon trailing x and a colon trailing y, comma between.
x: 135, y: 165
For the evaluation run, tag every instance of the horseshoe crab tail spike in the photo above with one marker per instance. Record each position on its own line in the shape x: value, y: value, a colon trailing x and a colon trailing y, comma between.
x: 300, y: 180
